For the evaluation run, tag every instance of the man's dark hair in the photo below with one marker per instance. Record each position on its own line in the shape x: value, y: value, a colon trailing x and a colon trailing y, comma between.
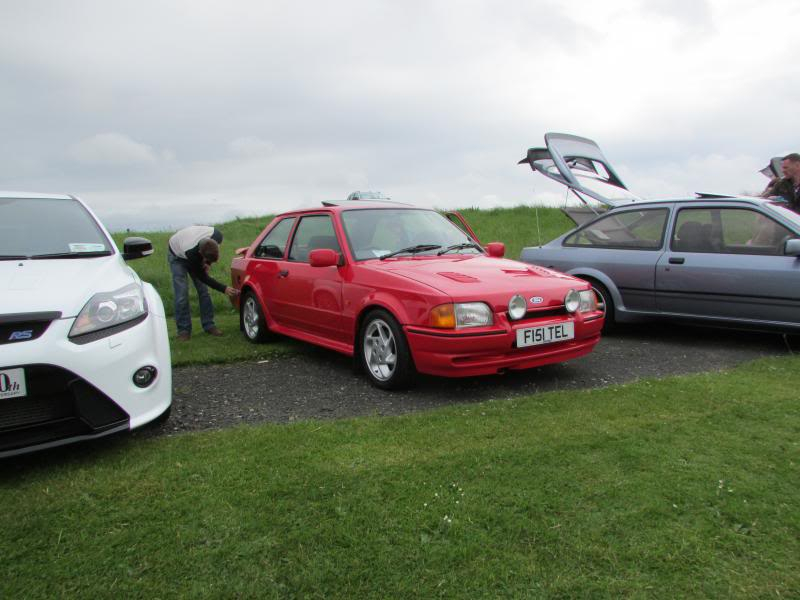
x: 794, y: 157
x: 209, y: 250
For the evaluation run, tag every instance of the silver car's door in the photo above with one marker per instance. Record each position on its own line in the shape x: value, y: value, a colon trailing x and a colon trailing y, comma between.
x: 625, y: 245
x: 727, y: 262
x: 579, y: 164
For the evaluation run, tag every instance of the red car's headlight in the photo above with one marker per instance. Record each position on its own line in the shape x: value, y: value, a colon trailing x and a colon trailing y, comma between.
x: 461, y: 315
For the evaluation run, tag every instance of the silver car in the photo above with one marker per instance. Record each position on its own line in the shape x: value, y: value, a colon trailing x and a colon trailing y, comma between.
x: 720, y: 260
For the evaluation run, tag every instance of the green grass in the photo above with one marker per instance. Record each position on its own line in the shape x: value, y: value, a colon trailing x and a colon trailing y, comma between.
x: 205, y: 349
x: 232, y: 347
x: 154, y: 269
x: 675, y: 488
x: 516, y: 227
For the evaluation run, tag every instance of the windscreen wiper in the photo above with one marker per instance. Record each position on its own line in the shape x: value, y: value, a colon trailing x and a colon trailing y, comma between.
x: 412, y: 250
x: 13, y: 257
x: 71, y: 254
x: 460, y: 246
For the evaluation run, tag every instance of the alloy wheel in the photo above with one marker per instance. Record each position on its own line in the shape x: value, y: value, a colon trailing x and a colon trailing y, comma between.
x: 250, y: 317
x: 380, y: 350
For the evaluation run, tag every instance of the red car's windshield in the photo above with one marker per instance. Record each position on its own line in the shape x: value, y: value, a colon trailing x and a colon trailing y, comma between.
x: 373, y: 233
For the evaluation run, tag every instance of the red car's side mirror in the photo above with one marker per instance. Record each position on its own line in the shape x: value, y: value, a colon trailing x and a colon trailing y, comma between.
x: 323, y: 257
x: 496, y: 249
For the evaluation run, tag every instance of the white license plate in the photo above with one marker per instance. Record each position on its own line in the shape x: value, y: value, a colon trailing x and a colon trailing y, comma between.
x: 545, y: 334
x: 12, y: 383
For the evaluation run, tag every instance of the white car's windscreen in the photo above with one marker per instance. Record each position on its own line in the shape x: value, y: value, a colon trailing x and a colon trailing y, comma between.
x: 49, y: 228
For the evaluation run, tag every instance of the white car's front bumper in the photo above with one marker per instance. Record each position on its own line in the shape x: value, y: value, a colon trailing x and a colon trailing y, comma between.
x: 80, y: 391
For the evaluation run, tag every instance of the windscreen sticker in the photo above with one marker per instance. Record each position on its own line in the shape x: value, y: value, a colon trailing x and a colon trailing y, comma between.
x: 87, y: 247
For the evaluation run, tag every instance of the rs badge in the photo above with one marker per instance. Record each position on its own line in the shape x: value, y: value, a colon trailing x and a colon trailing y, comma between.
x: 16, y: 336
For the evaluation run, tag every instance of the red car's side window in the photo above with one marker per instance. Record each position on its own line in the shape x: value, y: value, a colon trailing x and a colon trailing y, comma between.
x: 313, y: 232
x: 274, y: 243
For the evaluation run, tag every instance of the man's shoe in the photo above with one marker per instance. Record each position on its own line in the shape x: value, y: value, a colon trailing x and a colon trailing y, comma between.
x: 184, y: 336
x: 214, y: 331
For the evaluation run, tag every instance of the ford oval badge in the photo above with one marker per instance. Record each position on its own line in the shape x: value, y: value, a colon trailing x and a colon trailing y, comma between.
x: 537, y: 300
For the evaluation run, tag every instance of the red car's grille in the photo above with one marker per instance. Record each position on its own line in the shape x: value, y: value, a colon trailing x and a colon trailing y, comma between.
x: 548, y: 312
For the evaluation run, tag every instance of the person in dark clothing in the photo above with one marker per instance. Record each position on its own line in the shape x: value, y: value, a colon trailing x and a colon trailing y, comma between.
x: 192, y: 251
x: 788, y: 186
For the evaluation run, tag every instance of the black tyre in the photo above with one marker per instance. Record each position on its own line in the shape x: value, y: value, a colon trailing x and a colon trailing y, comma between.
x: 383, y: 352
x: 254, y: 325
x: 604, y: 299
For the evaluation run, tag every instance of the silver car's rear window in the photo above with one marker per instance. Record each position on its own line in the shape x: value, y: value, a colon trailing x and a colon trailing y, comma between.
x: 630, y: 229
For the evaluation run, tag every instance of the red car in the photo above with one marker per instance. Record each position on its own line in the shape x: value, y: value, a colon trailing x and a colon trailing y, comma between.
x: 405, y: 290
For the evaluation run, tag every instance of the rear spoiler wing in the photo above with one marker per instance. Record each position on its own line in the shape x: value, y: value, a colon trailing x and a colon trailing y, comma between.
x: 773, y: 169
x: 566, y: 157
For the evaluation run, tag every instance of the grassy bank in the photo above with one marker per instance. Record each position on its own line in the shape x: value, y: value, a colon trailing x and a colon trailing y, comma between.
x: 155, y: 269
x: 684, y: 487
x: 516, y: 227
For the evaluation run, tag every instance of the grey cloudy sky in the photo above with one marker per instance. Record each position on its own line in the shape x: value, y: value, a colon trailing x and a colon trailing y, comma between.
x: 161, y: 114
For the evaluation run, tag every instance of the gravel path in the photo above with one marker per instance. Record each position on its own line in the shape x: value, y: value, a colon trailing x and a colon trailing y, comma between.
x: 319, y: 384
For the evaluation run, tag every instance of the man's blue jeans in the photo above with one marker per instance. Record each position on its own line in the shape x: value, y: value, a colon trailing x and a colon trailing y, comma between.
x: 180, y: 285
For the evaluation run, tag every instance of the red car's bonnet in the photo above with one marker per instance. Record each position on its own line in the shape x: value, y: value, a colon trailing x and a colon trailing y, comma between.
x: 466, y: 278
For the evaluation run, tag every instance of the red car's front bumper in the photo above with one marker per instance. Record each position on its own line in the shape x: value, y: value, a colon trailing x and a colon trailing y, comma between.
x: 469, y: 353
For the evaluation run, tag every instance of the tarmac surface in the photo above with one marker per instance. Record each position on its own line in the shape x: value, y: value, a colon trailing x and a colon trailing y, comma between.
x: 320, y: 384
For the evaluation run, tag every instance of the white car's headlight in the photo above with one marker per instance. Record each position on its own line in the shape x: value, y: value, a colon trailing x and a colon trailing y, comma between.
x: 110, y: 309
x: 465, y: 314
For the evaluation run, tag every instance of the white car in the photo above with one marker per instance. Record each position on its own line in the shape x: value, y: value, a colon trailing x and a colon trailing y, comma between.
x: 83, y: 341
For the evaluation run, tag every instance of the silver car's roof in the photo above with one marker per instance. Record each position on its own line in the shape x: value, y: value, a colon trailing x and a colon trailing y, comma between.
x: 31, y: 195
x: 754, y: 200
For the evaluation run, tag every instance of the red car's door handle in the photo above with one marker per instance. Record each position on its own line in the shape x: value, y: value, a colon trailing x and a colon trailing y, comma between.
x: 282, y: 274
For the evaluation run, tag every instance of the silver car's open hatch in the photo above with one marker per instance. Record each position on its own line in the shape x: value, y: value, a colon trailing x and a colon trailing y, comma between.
x: 774, y: 168
x: 578, y: 163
